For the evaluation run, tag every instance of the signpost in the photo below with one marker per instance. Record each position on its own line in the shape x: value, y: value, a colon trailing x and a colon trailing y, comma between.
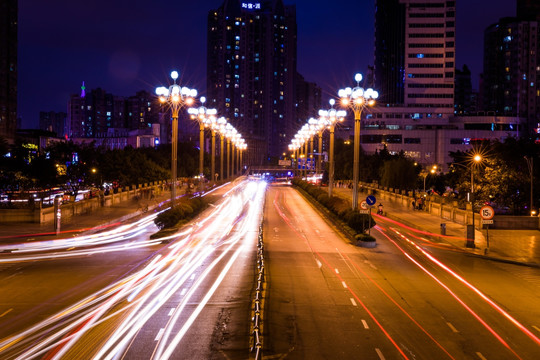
x: 370, y: 201
x: 487, y: 213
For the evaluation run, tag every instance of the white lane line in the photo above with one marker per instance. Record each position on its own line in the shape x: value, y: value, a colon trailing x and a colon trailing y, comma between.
x: 353, y: 302
x: 536, y: 327
x: 6, y: 312
x: 379, y: 352
x: 159, y: 334
x: 319, y: 264
x: 171, y: 311
x: 452, y: 327
x: 337, y: 271
x: 192, y: 276
x: 366, y: 326
x: 344, y: 285
x: 183, y: 292
x: 480, y: 355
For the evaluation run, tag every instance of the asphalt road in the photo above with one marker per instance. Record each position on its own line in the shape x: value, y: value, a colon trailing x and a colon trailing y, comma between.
x: 411, y: 297
x: 123, y: 295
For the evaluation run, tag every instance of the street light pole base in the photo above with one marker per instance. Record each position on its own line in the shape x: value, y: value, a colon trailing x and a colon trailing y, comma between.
x: 470, y: 244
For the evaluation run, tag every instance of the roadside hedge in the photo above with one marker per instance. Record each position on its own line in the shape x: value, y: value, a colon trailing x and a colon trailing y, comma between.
x: 360, y: 223
x: 185, y: 210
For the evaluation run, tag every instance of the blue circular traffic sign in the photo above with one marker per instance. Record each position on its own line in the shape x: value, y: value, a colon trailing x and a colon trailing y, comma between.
x: 371, y: 200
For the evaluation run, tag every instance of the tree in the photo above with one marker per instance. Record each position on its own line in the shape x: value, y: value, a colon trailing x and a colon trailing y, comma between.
x: 399, y: 173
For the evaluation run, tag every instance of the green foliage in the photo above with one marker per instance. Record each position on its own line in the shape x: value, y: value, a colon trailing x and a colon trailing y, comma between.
x: 340, y: 207
x: 185, y: 210
x: 399, y: 173
x: 502, y: 178
x: 364, y: 237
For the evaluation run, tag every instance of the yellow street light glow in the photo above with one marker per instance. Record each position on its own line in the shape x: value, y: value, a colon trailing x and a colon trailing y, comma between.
x: 477, y: 158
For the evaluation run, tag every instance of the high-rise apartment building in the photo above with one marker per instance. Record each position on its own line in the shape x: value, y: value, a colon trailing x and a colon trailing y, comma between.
x: 511, y: 78
x: 8, y: 69
x: 54, y: 122
x: 93, y: 113
x: 415, y: 54
x: 528, y: 10
x: 251, y: 69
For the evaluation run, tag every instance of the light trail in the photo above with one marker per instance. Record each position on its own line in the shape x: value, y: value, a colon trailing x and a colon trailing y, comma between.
x: 444, y: 286
x: 323, y: 259
x: 129, y: 303
x: 520, y: 326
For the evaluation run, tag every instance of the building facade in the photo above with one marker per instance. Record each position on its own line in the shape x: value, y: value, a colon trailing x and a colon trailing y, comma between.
x: 429, y: 108
x: 415, y: 54
x: 251, y: 70
x: 55, y: 122
x: 96, y: 114
x: 511, y: 77
x: 8, y: 69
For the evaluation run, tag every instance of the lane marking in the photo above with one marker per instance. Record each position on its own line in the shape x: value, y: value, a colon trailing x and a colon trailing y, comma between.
x: 353, y: 302
x: 5, y: 312
x: 183, y: 291
x: 171, y: 311
x: 337, y: 271
x: 319, y: 264
x: 452, y: 327
x: 344, y: 285
x: 366, y: 326
x: 192, y: 276
x: 480, y: 355
x: 379, y: 352
x: 159, y: 334
x: 537, y: 328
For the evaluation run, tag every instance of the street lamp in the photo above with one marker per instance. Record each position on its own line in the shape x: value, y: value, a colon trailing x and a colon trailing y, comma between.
x: 476, y: 158
x: 331, y: 118
x: 222, y: 123
x: 212, y: 123
x: 357, y: 99
x: 432, y: 171
x: 203, y: 116
x: 176, y: 97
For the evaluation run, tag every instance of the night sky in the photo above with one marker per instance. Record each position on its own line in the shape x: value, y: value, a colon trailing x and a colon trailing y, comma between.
x: 124, y: 46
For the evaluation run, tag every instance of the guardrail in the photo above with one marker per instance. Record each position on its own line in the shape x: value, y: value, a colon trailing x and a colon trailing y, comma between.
x: 256, y: 338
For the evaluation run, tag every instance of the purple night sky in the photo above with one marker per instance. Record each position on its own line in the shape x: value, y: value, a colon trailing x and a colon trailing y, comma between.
x: 124, y: 46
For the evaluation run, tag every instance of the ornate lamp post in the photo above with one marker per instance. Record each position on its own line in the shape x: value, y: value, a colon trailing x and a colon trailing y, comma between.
x: 222, y: 123
x: 476, y: 158
x: 212, y: 124
x: 176, y: 97
x: 331, y: 118
x: 357, y: 99
x: 202, y: 115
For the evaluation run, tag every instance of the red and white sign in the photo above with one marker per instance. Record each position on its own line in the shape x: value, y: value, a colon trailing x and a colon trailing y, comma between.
x: 487, y: 212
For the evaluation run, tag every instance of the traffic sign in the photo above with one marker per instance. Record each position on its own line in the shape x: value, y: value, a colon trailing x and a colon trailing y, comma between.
x: 364, y: 205
x: 371, y: 200
x: 487, y: 221
x: 364, y: 211
x: 487, y: 212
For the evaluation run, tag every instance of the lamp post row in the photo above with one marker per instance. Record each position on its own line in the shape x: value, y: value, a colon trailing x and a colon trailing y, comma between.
x: 177, y: 97
x: 357, y: 99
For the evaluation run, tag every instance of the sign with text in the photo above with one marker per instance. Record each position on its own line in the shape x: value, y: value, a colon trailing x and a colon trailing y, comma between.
x: 487, y: 212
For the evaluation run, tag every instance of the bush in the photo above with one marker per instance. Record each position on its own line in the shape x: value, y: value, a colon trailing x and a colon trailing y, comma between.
x: 359, y: 222
x: 185, y: 210
x: 356, y: 221
x: 364, y: 237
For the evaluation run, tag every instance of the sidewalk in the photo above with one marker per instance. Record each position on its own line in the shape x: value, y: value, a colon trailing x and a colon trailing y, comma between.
x: 87, y: 223
x: 519, y: 246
